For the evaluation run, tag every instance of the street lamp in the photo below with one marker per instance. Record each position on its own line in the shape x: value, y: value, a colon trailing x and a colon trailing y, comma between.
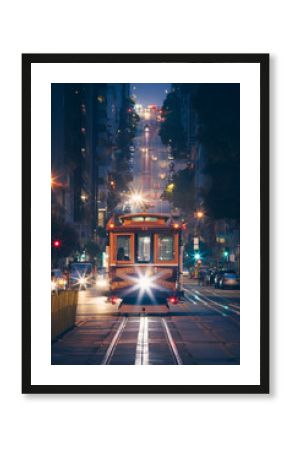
x: 136, y: 198
x: 52, y: 182
x: 199, y: 214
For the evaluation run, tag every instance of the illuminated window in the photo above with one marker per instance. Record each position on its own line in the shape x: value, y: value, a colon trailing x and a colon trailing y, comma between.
x: 123, y: 248
x: 101, y: 98
x: 143, y: 248
x: 138, y: 219
x: 151, y: 219
x: 165, y: 248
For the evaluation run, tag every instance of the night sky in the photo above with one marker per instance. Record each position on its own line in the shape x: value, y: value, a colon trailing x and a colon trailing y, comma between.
x: 150, y: 93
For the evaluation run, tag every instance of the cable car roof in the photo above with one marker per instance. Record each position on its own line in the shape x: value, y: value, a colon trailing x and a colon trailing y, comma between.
x: 141, y: 220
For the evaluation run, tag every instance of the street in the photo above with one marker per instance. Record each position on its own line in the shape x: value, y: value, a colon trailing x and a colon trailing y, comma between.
x: 202, y: 329
x: 153, y: 225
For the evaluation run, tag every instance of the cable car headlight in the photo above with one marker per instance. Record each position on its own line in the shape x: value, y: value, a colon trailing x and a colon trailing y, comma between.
x: 145, y: 283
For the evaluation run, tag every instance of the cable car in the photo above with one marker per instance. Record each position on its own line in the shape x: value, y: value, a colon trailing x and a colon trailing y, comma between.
x: 145, y: 262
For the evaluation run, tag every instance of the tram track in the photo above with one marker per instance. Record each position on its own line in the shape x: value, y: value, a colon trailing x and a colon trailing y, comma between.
x: 142, y: 353
x: 223, y: 310
x: 171, y: 343
x: 114, y: 342
x: 220, y: 305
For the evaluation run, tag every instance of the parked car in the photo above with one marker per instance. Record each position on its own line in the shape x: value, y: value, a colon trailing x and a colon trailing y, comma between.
x: 227, y: 279
x: 210, y: 276
x: 58, y: 280
x: 185, y: 272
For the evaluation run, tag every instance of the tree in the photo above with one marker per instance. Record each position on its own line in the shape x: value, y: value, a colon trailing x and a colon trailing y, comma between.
x: 127, y: 126
x: 92, y: 248
x: 171, y: 130
x: 218, y: 108
x: 181, y: 191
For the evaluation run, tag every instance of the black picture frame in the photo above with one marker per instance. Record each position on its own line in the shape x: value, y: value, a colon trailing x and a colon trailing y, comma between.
x: 263, y: 61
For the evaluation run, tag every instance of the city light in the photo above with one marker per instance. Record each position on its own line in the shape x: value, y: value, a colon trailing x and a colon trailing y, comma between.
x: 170, y: 188
x: 54, y: 182
x: 197, y: 256
x: 136, y: 198
x: 102, y: 282
x: 199, y: 214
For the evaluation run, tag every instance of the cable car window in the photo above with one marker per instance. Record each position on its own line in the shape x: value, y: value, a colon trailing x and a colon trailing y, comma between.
x: 143, y: 248
x: 165, y: 248
x: 138, y: 219
x: 123, y: 248
x: 151, y: 219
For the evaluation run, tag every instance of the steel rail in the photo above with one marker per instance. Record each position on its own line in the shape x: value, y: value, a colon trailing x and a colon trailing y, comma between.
x: 210, y: 304
x: 171, y: 343
x: 111, y: 349
x: 225, y: 307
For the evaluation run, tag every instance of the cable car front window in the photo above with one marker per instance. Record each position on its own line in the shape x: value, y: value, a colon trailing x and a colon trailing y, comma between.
x: 165, y: 248
x: 143, y: 248
x: 123, y: 248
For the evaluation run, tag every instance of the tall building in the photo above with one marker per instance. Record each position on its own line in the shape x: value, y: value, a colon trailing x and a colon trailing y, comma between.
x: 84, y: 128
x: 111, y: 99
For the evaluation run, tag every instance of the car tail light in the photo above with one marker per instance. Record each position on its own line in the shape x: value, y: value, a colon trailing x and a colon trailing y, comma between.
x: 173, y: 300
x: 114, y: 299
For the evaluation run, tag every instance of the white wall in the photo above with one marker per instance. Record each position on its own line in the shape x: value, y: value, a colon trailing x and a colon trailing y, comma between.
x: 203, y: 422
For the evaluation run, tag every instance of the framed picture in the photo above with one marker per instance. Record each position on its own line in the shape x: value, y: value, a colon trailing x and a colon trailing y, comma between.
x: 146, y: 198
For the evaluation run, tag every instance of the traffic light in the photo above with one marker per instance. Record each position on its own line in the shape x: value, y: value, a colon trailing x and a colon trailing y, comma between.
x: 197, y: 256
x: 226, y: 252
x: 56, y: 243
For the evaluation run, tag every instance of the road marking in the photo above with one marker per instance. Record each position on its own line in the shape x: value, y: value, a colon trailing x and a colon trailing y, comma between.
x: 109, y: 354
x: 171, y: 343
x: 142, y: 348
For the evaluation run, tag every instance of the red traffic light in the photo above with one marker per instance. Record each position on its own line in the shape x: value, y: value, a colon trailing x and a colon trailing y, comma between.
x: 56, y: 243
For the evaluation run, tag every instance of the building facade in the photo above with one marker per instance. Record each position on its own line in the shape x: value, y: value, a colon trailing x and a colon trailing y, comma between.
x: 84, y: 128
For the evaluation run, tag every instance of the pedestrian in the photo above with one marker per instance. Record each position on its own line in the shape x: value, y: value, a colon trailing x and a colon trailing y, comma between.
x: 201, y: 277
